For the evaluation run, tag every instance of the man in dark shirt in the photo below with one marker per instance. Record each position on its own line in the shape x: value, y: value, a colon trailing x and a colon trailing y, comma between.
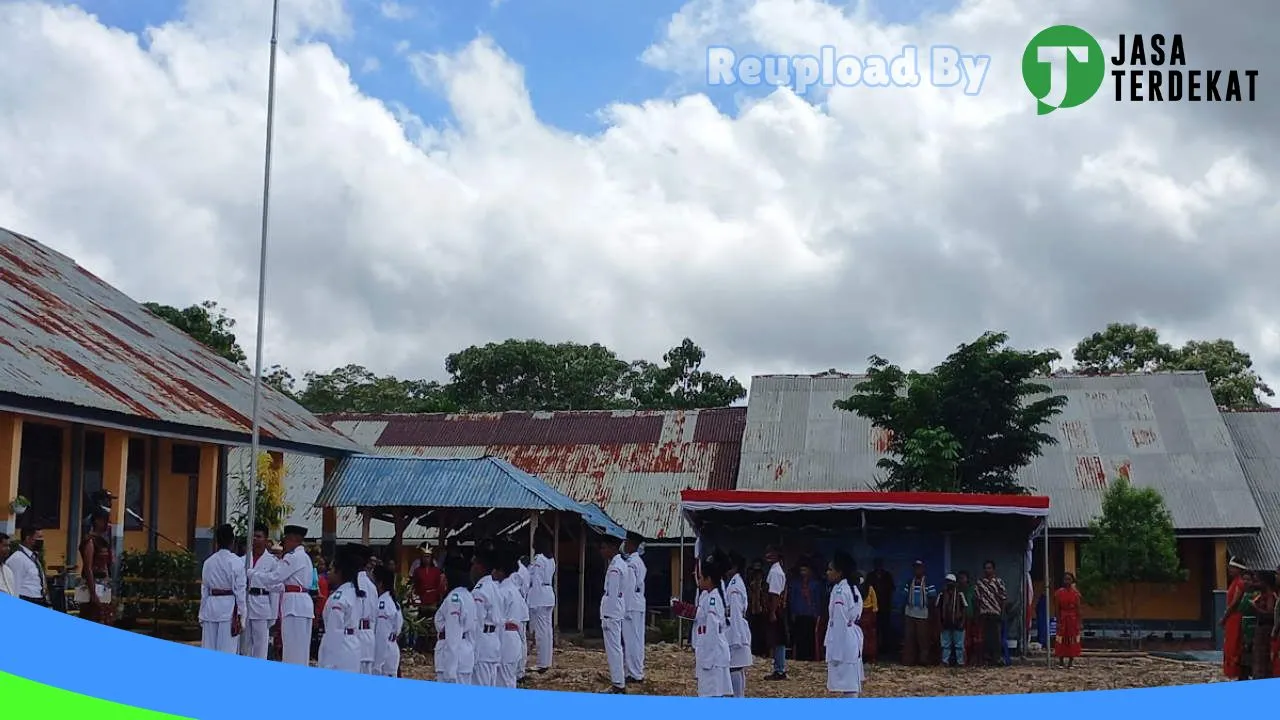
x: 952, y: 607
x: 806, y: 605
x: 882, y: 581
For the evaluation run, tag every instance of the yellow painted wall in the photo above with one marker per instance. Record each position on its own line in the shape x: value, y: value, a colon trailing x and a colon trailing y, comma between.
x: 174, y: 502
x: 1179, y: 602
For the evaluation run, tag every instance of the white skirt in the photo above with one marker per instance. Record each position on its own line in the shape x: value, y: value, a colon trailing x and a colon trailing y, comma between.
x: 714, y: 682
x: 844, y: 677
x: 740, y: 657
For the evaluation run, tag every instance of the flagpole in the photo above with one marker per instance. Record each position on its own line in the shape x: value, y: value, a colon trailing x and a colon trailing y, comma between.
x: 262, y: 293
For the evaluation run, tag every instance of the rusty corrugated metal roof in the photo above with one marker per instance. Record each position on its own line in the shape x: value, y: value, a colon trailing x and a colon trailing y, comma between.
x: 1256, y: 436
x: 1161, y: 430
x: 69, y: 338
x: 632, y: 464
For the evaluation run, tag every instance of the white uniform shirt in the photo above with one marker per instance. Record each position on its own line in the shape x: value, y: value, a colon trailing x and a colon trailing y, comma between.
x: 613, y: 603
x: 223, y: 570
x: 542, y: 580
x: 513, y: 608
x: 844, y: 637
x: 710, y: 645
x: 739, y: 632
x: 293, y: 570
x: 777, y: 579
x: 6, y: 581
x: 489, y: 620
x: 26, y: 573
x: 368, y: 617
x: 263, y: 607
x: 339, y: 646
x: 635, y: 601
x: 387, y: 631
x: 522, y: 580
x: 456, y: 619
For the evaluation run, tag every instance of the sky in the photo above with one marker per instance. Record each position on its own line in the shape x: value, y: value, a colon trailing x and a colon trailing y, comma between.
x: 455, y: 173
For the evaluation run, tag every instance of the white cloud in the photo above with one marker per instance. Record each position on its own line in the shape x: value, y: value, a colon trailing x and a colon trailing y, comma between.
x: 395, y: 11
x: 787, y: 237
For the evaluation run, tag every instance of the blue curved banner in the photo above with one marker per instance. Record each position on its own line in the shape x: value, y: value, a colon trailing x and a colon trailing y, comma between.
x: 57, y: 664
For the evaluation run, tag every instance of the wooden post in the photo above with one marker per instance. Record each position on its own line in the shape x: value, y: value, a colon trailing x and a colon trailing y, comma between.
x: 582, y: 578
x: 10, y: 457
x: 365, y: 519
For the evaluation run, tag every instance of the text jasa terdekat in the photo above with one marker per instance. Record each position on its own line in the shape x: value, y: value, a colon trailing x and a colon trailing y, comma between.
x: 1153, y: 69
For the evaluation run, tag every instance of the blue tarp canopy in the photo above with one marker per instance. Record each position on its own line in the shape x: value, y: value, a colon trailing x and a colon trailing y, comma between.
x: 484, y: 484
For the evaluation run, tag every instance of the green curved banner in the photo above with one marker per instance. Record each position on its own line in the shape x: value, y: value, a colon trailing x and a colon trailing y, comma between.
x: 33, y: 700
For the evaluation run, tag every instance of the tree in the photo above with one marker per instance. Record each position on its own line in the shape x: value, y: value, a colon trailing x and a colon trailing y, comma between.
x: 968, y: 425
x: 356, y: 389
x: 1127, y: 348
x: 272, y: 509
x: 681, y: 384
x: 1131, y: 543
x: 536, y: 375
x: 208, y: 324
x: 280, y: 379
x: 1123, y: 348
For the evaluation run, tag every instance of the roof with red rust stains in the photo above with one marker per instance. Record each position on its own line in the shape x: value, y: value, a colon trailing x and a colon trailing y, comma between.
x: 1159, y: 430
x: 633, y: 464
x: 68, y: 338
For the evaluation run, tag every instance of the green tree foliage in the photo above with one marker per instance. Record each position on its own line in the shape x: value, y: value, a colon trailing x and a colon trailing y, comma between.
x: 966, y: 426
x: 1124, y: 348
x: 207, y: 323
x: 356, y: 389
x: 681, y: 384
x: 535, y: 375
x: 1131, y: 543
x: 509, y: 375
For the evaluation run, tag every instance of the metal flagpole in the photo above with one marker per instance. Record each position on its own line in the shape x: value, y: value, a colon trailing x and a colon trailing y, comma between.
x: 262, y: 293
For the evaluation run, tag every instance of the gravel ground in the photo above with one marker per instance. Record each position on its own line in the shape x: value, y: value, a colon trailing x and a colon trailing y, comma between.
x: 670, y: 672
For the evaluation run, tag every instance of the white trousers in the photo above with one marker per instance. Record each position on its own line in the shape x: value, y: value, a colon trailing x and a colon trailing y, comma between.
x: 366, y: 667
x: 465, y: 679
x: 738, y: 678
x: 543, y: 635
x: 613, y: 650
x: 523, y: 665
x: 485, y: 674
x: 506, y: 674
x: 217, y: 636
x: 255, y: 639
x: 633, y: 643
x: 295, y: 638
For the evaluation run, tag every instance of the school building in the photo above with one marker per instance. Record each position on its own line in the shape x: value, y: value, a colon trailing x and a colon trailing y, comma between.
x: 1159, y: 430
x: 96, y: 393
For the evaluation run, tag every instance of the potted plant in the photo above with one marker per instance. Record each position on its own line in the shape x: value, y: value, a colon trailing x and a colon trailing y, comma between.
x: 19, y: 505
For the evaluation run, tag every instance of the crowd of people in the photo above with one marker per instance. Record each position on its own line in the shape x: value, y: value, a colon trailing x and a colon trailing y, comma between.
x: 1251, y: 624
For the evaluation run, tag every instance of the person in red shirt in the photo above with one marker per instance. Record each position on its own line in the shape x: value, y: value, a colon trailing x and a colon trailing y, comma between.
x: 430, y: 586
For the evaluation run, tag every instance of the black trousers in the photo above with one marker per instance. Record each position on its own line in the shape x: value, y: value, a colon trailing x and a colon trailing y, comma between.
x: 35, y: 601
x: 992, y: 651
x: 804, y: 629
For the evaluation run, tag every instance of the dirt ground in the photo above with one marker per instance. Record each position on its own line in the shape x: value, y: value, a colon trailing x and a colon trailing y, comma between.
x: 670, y: 672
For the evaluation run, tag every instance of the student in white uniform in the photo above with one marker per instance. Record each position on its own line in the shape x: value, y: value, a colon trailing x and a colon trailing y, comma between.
x: 542, y: 603
x: 368, y: 610
x: 739, y: 634
x: 222, y: 594
x: 508, y: 618
x: 844, y: 636
x: 390, y: 621
x: 613, y: 612
x: 633, y: 627
x: 263, y: 600
x: 455, y: 642
x: 340, y: 646
x: 518, y: 612
x: 489, y: 621
x: 293, y: 573
x: 522, y: 580
x: 710, y: 625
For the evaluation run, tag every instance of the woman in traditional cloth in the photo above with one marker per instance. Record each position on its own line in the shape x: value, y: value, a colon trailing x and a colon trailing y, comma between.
x: 844, y: 640
x: 96, y: 558
x: 1264, y: 607
x: 1248, y: 623
x: 870, y: 614
x: 1066, y: 641
x: 1231, y: 621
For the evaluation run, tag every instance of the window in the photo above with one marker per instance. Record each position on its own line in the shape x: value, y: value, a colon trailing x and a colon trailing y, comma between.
x: 95, y: 449
x: 40, y: 474
x: 135, y: 483
x: 186, y: 460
